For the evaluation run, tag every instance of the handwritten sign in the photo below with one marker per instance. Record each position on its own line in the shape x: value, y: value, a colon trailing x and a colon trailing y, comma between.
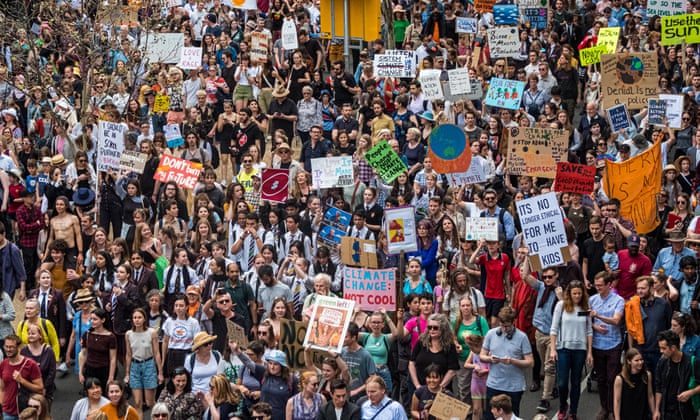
x: 183, y: 172
x: 290, y: 41
x: 618, y: 117
x: 332, y: 172
x: 484, y: 5
x: 459, y: 82
x: 591, y: 55
x: 536, y: 151
x: 476, y: 174
x: 275, y: 185
x: 505, y: 93
x: 543, y: 229
x: 258, y: 47
x: 400, y: 229
x: 162, y: 47
x: 466, y: 25
x: 476, y: 92
x: 394, y: 65
x: 574, y: 178
x: 431, y: 85
x: 536, y: 17
x: 173, y: 137
x: 329, y: 323
x: 635, y: 182
x: 481, y: 228
x: 657, y: 111
x: 385, y: 160
x: 676, y: 29
x: 291, y: 342
x: 504, y: 42
x: 673, y: 105
x: 162, y: 103
x: 110, y: 144
x: 607, y: 38
x: 370, y: 289
x: 132, y: 161
x: 191, y: 58
x: 236, y: 333
x: 629, y: 78
x: 666, y: 7
x: 448, y: 408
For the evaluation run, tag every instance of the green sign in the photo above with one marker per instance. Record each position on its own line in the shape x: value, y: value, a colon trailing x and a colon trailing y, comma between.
x: 387, y: 163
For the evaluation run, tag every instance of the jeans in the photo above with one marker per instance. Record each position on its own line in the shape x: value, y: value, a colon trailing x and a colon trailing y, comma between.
x: 570, y: 366
x: 6, y: 416
x: 385, y: 373
x: 515, y: 398
x: 607, y: 366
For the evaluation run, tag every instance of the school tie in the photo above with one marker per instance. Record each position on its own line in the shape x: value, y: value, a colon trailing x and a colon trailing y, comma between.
x: 137, y: 274
x: 43, y: 304
x: 178, y: 281
x: 103, y: 280
x: 251, y: 253
x: 297, y: 297
x: 113, y: 300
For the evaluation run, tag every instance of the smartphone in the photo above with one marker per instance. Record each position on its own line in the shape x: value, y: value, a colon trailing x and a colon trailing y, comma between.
x: 584, y: 313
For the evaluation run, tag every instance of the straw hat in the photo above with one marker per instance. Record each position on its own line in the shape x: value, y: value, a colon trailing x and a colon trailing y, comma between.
x: 280, y: 92
x: 83, y: 295
x: 58, y: 160
x: 201, y: 339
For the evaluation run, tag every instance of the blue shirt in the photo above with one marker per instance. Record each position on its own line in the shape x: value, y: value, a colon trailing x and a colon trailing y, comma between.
x: 608, y: 307
x: 502, y: 377
x: 542, y: 318
x: 686, y: 292
x: 670, y: 262
x: 387, y: 409
x: 692, y: 346
x: 508, y: 226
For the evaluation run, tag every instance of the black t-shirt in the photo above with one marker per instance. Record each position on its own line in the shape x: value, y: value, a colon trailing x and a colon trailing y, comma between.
x: 422, y: 357
x: 244, y: 137
x: 227, y: 74
x: 312, y: 46
x: 341, y: 94
x: 593, y: 251
x: 673, y: 388
x: 220, y: 329
x: 287, y: 107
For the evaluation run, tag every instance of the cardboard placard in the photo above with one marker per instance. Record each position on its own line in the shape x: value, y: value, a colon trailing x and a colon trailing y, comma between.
x: 110, y: 144
x: 385, y: 160
x: 635, y: 182
x: 400, y: 229
x: 191, y: 58
x: 629, y: 78
x: 504, y: 42
x: 536, y: 151
x: 332, y: 172
x: 275, y: 185
x: 543, y: 230
x: 370, y: 289
x: 448, y: 408
x: 676, y: 29
x: 574, y: 178
x: 505, y: 93
x: 356, y: 252
x: 183, y: 172
x: 132, y: 161
x: 481, y: 228
x: 329, y: 323
x: 258, y: 47
x: 291, y: 342
x: 618, y: 117
x: 236, y: 333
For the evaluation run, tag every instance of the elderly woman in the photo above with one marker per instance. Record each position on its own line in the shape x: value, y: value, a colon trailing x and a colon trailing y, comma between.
x: 322, y: 287
x: 435, y: 345
x: 309, y: 113
x: 160, y: 412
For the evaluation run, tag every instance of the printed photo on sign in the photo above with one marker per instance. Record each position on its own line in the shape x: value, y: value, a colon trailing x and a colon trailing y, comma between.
x: 400, y: 229
x: 329, y: 323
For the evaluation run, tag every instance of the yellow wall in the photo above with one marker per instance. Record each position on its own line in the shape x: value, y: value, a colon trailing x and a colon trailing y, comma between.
x: 364, y: 18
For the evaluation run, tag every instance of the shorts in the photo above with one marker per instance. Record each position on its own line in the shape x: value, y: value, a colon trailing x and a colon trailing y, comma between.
x: 241, y: 93
x: 143, y: 375
x: 478, y: 388
x: 225, y: 147
x: 493, y: 306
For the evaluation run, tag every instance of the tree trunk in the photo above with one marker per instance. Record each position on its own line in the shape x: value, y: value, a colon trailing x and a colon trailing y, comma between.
x: 388, y: 17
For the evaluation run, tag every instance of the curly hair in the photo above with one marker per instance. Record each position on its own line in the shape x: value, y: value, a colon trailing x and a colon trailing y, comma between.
x: 446, y: 338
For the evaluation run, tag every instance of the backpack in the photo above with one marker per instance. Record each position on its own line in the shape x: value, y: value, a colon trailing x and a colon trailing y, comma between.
x: 215, y: 353
x: 695, y: 399
x: 44, y: 328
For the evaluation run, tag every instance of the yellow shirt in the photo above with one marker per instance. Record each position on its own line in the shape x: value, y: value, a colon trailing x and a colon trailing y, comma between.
x: 111, y: 411
x: 49, y: 335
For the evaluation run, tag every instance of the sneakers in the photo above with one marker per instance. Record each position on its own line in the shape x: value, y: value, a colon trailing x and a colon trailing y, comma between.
x: 543, y: 406
x: 63, y: 368
x: 561, y: 415
x: 535, y: 387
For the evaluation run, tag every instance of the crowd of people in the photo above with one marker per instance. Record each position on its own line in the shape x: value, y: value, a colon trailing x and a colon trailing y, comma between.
x: 133, y: 285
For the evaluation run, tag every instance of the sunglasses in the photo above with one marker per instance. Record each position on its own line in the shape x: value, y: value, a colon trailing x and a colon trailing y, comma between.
x: 547, y: 277
x: 225, y: 301
x: 160, y: 415
x: 433, y: 327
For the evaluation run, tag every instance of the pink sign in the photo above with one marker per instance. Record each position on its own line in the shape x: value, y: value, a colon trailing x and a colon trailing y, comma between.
x: 370, y: 289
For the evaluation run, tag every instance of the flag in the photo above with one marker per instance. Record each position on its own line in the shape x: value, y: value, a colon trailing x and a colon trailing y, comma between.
x: 275, y: 185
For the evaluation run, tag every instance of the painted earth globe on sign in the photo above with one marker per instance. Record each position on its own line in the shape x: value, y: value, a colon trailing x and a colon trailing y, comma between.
x: 629, y: 69
x: 442, y: 141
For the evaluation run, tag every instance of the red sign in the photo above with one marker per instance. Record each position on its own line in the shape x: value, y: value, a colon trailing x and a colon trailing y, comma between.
x: 574, y: 178
x: 183, y: 172
x: 275, y: 185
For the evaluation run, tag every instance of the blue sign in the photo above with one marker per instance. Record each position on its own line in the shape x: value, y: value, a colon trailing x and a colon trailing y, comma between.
x: 506, y: 14
x: 505, y: 93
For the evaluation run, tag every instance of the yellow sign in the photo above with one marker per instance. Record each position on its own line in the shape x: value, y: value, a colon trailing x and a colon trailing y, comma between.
x: 676, y: 29
x: 608, y: 37
x: 591, y: 55
x: 162, y: 103
x: 536, y: 151
x: 365, y: 18
x: 629, y: 78
x: 635, y: 182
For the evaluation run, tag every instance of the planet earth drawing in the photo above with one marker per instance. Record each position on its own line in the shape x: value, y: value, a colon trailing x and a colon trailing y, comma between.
x: 448, y: 141
x: 629, y: 69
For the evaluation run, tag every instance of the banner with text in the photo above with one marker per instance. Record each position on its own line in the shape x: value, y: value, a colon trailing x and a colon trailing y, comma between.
x: 536, y: 151
x: 370, y: 289
x: 543, y: 230
x: 110, y: 144
x: 183, y: 172
x: 574, y: 178
x: 629, y: 78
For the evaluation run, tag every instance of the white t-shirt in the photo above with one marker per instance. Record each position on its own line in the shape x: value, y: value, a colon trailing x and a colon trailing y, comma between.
x: 181, y: 332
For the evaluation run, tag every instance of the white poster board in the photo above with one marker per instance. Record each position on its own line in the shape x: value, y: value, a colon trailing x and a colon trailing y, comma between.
x: 504, y: 42
x: 666, y: 7
x: 431, y: 85
x: 466, y: 25
x: 290, y: 41
x: 110, y: 144
x: 543, y: 230
x: 332, y: 172
x: 674, y: 109
x: 191, y: 58
x: 400, y: 229
x: 481, y: 228
x: 162, y: 47
x: 458, y: 79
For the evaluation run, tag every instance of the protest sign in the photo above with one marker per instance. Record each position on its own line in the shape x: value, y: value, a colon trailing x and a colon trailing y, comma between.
x: 132, y: 161
x: 183, y: 172
x: 504, y: 42
x: 674, y: 109
x: 505, y: 93
x: 484, y: 5
x: 431, y: 85
x: 332, y: 172
x: 458, y: 79
x: 505, y: 14
x: 481, y: 228
x: 635, y: 182
x: 665, y: 7
x: 536, y: 17
x: 191, y: 58
x: 358, y: 252
x: 258, y: 47
x: 618, y: 117
x: 410, y: 60
x: 370, y: 289
x: 236, y: 333
x: 162, y: 47
x: 291, y: 342
x: 574, y: 178
x: 161, y: 104
x: 242, y: 4
x: 385, y: 160
x: 591, y: 55
x: 629, y: 78
x: 329, y: 323
x: 173, y: 137
x: 657, y: 111
x: 536, y: 151
x: 290, y: 41
x: 676, y: 29
x: 110, y: 144
x: 275, y: 184
x: 476, y: 92
x: 395, y: 65
x: 445, y: 407
x: 607, y: 38
x: 334, y: 227
x: 448, y: 149
x: 543, y: 230
x: 400, y: 229
x: 466, y: 25
x: 475, y: 175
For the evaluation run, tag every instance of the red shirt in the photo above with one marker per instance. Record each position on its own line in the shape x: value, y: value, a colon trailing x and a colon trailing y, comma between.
x: 29, y: 370
x: 630, y: 269
x: 495, y: 271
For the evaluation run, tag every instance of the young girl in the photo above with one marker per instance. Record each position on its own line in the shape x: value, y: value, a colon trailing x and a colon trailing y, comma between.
x: 479, y: 375
x: 415, y: 282
x: 423, y: 396
x: 142, y: 360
